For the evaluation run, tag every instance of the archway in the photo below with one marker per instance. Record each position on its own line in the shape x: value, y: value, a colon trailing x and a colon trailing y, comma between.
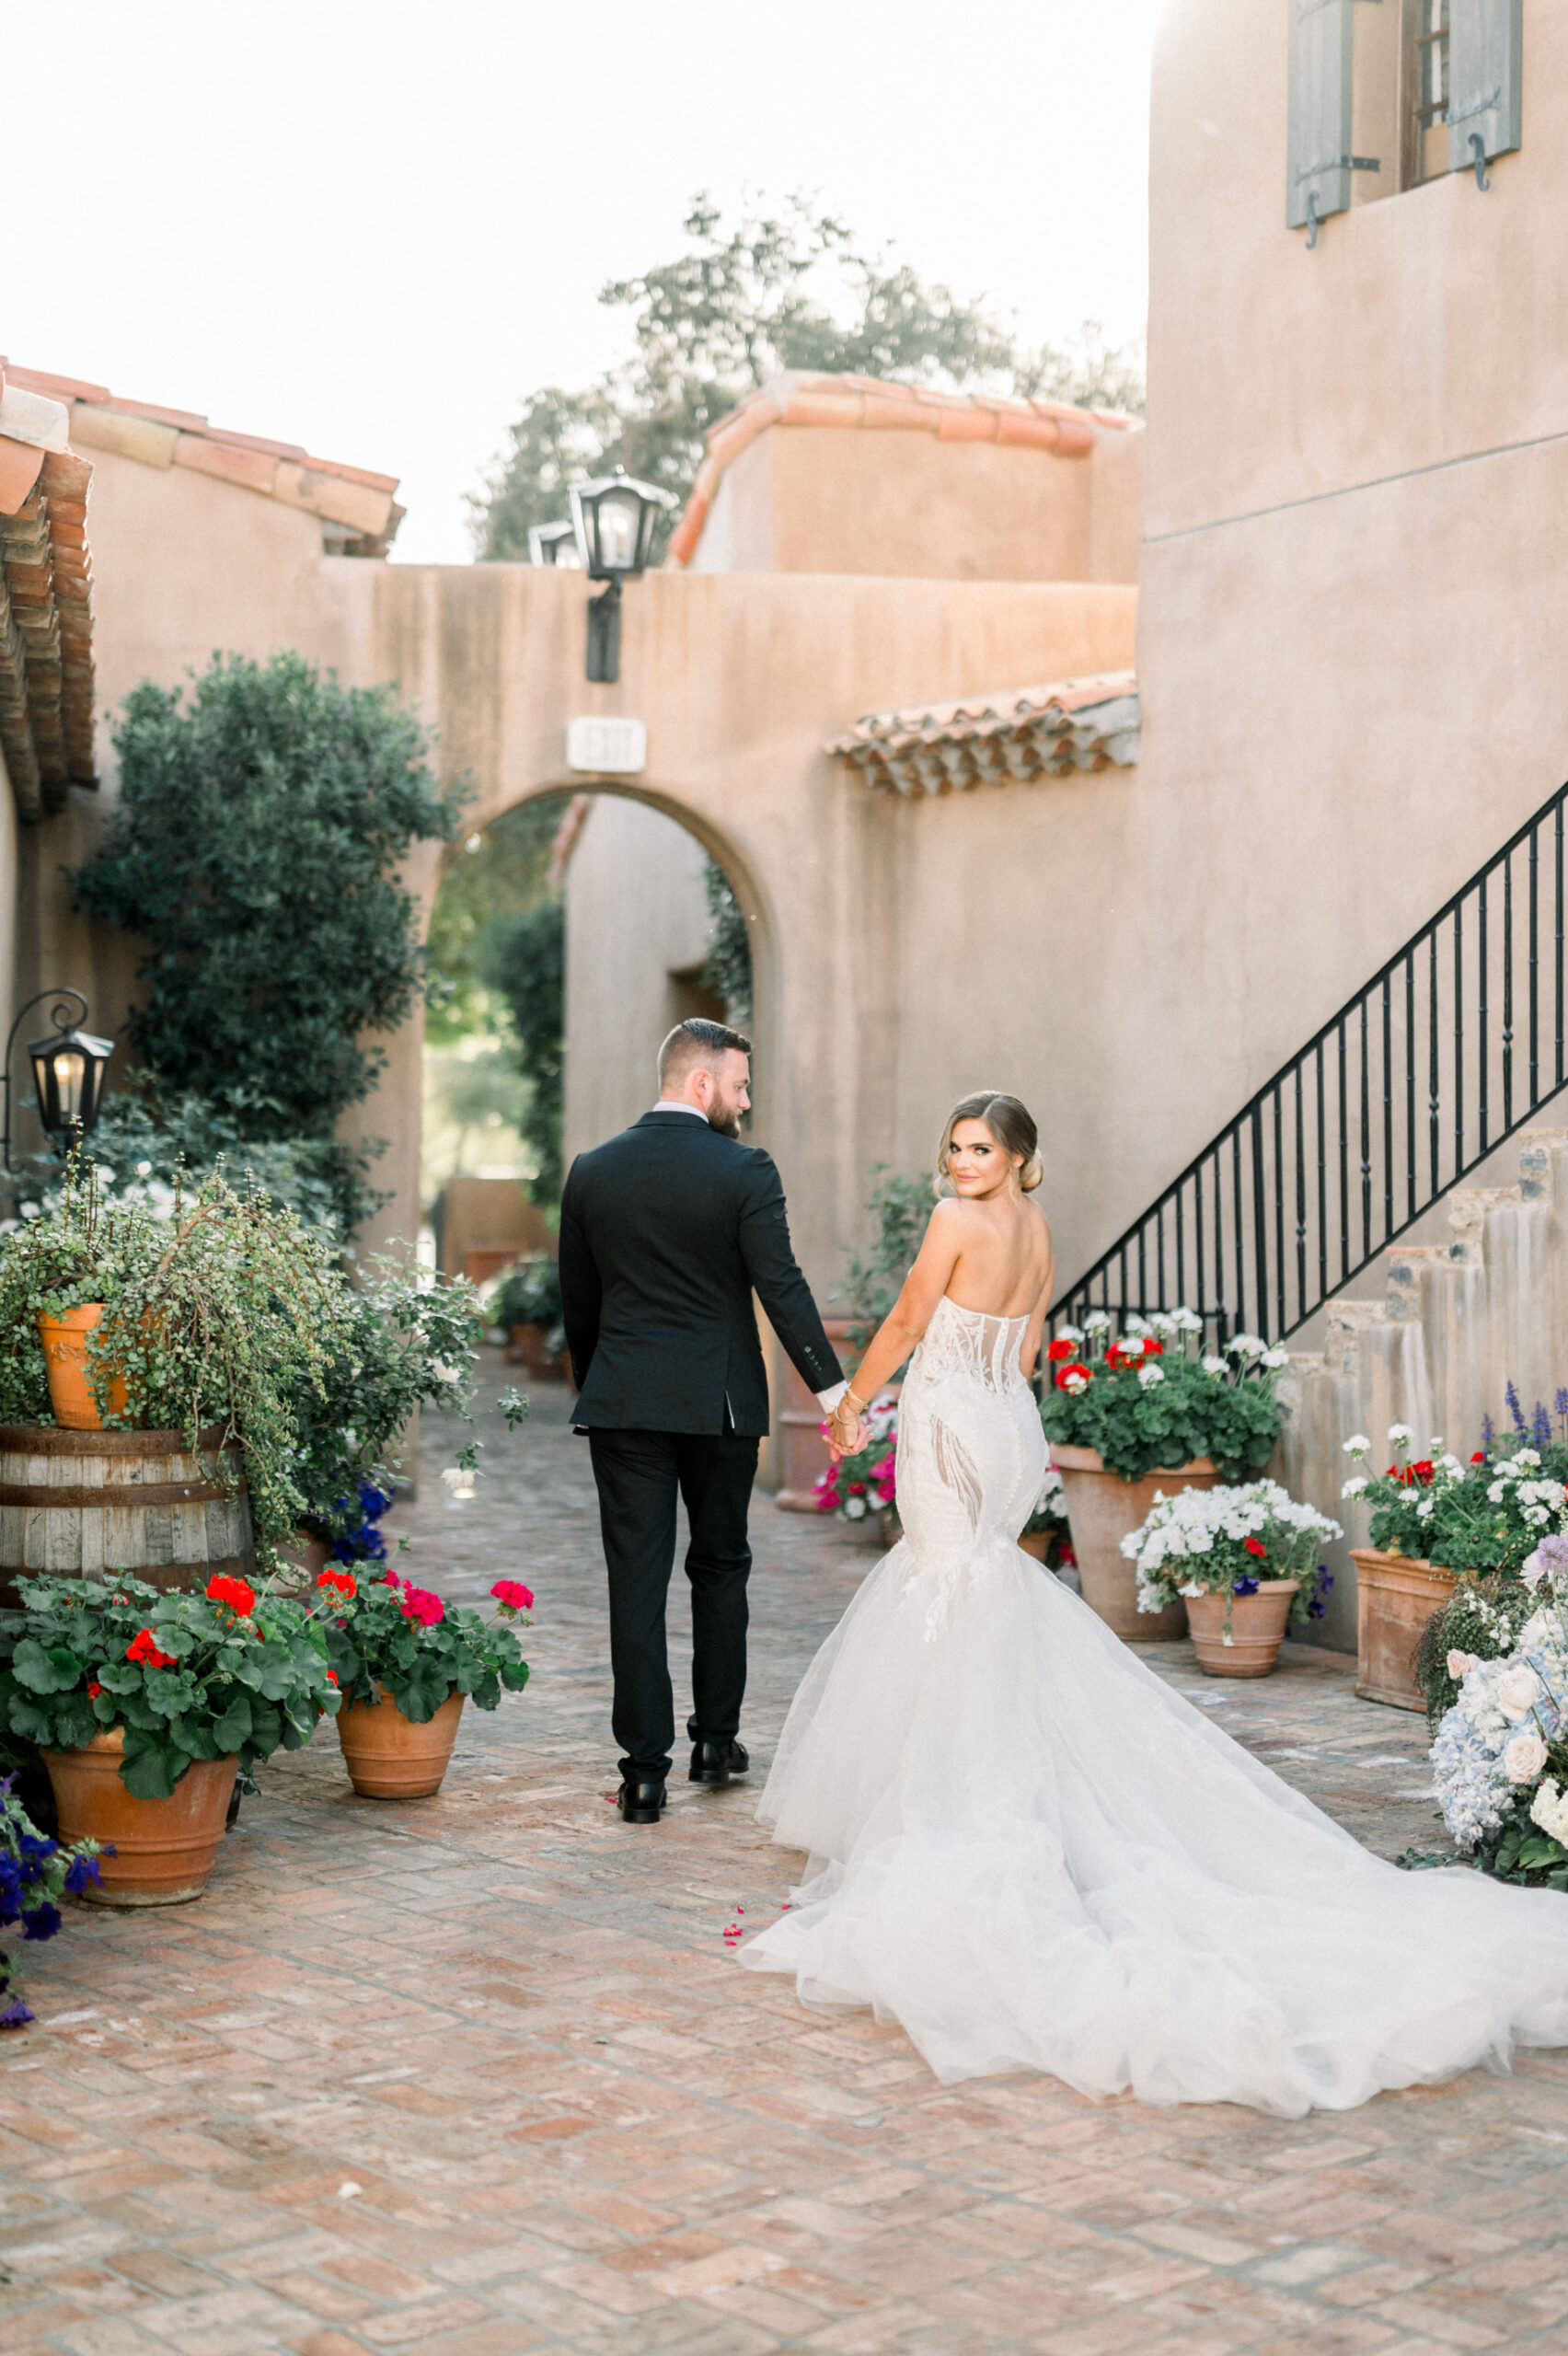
x: 637, y: 916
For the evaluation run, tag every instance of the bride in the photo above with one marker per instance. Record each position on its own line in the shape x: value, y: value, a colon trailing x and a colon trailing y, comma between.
x: 1024, y: 1846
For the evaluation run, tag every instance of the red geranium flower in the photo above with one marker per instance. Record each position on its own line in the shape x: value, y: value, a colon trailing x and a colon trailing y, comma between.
x: 144, y: 1647
x: 94, y: 1689
x: 332, y: 1678
x: 513, y: 1596
x: 239, y: 1596
x: 419, y: 1603
x: 344, y: 1581
x: 1073, y: 1378
x: 1479, y: 1456
x: 1256, y: 1546
x: 1060, y: 1350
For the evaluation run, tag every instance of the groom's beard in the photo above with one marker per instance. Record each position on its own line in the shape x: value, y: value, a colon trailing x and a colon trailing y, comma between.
x: 727, y: 1124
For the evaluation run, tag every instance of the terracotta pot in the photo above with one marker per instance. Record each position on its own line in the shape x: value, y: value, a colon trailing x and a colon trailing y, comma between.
x: 525, y: 1346
x: 1037, y: 1543
x: 1257, y: 1629
x: 165, y: 1849
x: 804, y: 1449
x: 389, y: 1757
x: 306, y: 1554
x: 1396, y: 1596
x: 64, y: 1343
x: 1103, y: 1509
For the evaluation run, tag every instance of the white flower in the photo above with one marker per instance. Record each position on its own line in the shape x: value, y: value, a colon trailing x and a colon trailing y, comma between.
x: 1517, y: 1689
x: 1275, y: 1357
x: 1352, y: 1488
x: 1400, y: 1435
x: 1435, y: 1443
x: 1549, y: 1810
x: 1070, y: 1332
x: 854, y: 1507
x: 1151, y: 1374
x: 1459, y: 1666
x: 1192, y: 1588
x: 1161, y: 1324
x: 1187, y: 1321
x: 1213, y: 1366
x: 1496, y: 1493
x: 1521, y: 1457
x: 1097, y: 1320
x: 1246, y: 1345
x: 1524, y: 1758
x: 143, y: 1169
x: 1358, y: 1445
x: 1423, y: 1510
x: 459, y: 1479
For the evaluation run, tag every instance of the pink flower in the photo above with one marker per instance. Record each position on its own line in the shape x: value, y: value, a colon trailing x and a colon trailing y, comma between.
x: 389, y: 1578
x: 513, y: 1596
x: 420, y: 1604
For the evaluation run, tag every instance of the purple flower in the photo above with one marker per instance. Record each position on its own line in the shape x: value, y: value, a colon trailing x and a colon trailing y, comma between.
x: 1244, y: 1586
x: 80, y: 1873
x: 1511, y: 1397
x: 1488, y: 1432
x: 1540, y: 1427
x: 10, y: 1889
x: 41, y: 1922
x: 16, y: 2014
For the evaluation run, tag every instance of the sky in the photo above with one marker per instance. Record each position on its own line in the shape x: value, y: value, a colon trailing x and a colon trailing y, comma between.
x: 373, y: 229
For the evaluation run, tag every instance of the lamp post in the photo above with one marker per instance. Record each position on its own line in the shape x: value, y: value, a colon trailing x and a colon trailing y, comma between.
x: 613, y: 519
x: 68, y: 1071
x: 555, y: 544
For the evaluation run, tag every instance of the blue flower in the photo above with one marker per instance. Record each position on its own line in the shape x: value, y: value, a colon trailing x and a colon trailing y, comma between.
x: 41, y: 1922
x: 80, y: 1873
x: 16, y: 2014
x: 1244, y: 1586
x: 1540, y: 1427
x: 10, y: 1889
x: 1511, y: 1396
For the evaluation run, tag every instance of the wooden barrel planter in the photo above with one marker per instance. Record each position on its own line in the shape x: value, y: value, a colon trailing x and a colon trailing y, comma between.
x: 82, y: 1503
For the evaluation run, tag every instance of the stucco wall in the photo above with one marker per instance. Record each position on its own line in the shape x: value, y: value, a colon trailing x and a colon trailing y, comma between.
x: 636, y: 915
x: 849, y: 500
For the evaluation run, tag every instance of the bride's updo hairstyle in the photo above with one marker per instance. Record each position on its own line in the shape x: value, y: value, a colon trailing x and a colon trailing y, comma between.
x: 1012, y: 1125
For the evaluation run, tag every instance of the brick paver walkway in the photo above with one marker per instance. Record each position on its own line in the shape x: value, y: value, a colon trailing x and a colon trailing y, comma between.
x: 478, y: 2075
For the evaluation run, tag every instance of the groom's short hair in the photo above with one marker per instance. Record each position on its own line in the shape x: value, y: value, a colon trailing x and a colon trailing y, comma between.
x: 697, y: 1042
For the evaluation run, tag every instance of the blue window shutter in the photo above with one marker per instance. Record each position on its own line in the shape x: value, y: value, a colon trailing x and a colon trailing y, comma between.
x: 1319, y: 144
x: 1485, y: 38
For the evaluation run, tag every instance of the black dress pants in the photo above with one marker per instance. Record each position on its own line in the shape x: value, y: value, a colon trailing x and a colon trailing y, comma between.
x: 638, y: 1474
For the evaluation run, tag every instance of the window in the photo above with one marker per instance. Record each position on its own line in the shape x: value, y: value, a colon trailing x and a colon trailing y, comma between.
x: 1388, y: 94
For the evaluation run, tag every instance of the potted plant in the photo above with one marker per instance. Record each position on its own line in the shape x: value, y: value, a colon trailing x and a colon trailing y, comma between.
x: 146, y: 1704
x: 1047, y: 1534
x: 1243, y: 1559
x: 396, y: 1343
x: 405, y: 1665
x: 36, y: 1871
x: 1435, y: 1521
x: 1140, y: 1416
x: 526, y: 1304
x: 862, y: 1489
x: 196, y: 1331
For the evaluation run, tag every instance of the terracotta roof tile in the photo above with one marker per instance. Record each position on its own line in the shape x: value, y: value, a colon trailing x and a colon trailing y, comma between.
x: 1015, y: 735
x: 46, y: 666
x: 152, y: 435
x: 796, y: 399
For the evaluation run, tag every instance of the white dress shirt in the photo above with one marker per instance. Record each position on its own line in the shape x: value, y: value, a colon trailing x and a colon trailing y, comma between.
x: 826, y: 1399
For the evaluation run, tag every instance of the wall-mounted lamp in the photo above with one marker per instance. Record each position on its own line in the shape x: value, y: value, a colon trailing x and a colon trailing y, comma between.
x: 68, y: 1071
x: 613, y: 519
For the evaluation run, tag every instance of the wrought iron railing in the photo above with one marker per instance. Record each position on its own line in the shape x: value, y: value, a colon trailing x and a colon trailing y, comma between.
x: 1452, y: 1045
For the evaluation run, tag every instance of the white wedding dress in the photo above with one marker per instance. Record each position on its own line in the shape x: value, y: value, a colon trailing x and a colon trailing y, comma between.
x: 1034, y: 1854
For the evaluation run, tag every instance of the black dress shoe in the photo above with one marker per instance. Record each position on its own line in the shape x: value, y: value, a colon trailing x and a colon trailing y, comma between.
x: 715, y: 1762
x: 640, y: 1799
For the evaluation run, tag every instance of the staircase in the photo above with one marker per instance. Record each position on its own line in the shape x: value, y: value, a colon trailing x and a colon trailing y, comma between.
x: 1362, y: 1138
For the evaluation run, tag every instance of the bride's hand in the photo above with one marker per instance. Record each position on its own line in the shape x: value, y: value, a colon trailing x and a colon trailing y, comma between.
x: 845, y: 1437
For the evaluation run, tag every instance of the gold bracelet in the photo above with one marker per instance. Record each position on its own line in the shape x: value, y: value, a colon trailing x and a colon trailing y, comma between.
x: 851, y: 1393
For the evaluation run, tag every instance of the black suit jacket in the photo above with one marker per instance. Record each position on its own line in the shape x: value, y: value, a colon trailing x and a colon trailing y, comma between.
x: 664, y: 1233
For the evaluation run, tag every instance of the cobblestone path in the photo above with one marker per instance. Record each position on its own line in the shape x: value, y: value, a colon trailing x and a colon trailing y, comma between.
x: 478, y: 2075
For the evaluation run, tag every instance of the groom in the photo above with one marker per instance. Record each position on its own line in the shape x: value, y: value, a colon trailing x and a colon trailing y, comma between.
x: 666, y: 1233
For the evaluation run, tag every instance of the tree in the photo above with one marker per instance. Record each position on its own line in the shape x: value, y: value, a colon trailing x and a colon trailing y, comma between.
x: 255, y: 848
x: 496, y: 875
x: 525, y: 966
x: 788, y: 289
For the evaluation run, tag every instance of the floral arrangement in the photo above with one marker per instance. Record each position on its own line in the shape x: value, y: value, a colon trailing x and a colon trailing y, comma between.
x: 1480, y: 1620
x: 389, y: 1636
x: 1228, y: 1542
x: 1153, y: 1396
x: 1501, y: 1755
x: 868, y: 1480
x: 1484, y: 1515
x: 223, y: 1674
x: 35, y: 1874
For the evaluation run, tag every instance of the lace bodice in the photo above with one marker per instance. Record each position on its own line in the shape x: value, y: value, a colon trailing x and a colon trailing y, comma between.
x: 970, y: 1341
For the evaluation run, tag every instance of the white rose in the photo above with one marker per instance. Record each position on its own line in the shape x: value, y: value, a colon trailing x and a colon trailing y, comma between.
x: 1524, y: 1758
x: 1151, y: 1374
x: 1357, y: 1445
x: 1354, y: 1488
x: 1459, y: 1666
x: 1515, y: 1691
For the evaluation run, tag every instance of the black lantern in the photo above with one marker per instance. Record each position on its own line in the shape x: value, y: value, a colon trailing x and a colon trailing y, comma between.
x: 68, y: 1069
x: 613, y: 519
x: 555, y: 544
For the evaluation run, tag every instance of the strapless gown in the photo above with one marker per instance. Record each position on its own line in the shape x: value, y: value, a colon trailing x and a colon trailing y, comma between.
x: 1034, y: 1854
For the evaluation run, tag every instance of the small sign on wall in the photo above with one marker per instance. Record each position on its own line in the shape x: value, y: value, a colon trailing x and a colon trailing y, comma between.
x: 603, y: 747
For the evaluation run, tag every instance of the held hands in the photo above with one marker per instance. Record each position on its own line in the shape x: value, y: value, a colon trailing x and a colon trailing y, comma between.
x: 847, y: 1432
